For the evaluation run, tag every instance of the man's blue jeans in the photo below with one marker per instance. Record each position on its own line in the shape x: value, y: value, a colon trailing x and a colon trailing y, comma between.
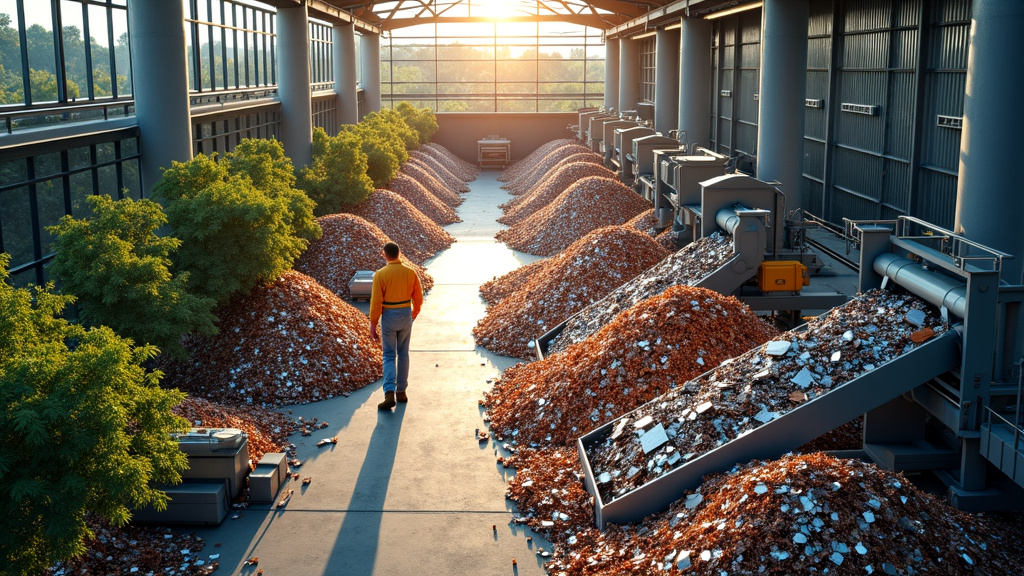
x: 395, y: 330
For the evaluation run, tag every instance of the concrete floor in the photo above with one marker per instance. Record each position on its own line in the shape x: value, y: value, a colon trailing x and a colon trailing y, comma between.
x: 410, y: 491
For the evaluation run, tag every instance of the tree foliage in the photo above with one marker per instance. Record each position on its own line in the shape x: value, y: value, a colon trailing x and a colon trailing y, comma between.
x: 337, y: 176
x: 85, y: 429
x: 421, y: 120
x: 381, y: 136
x: 240, y: 220
x: 119, y: 270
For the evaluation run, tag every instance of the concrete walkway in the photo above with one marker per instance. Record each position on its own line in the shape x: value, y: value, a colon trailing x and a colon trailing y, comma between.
x: 413, y: 491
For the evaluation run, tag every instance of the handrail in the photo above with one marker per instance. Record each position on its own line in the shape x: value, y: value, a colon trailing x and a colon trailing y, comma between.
x: 12, y: 114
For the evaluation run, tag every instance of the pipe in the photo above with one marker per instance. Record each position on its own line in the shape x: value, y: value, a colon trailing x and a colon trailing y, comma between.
x: 931, y: 286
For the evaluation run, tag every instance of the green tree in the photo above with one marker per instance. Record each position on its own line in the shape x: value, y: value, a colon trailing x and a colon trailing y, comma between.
x: 85, y: 429
x: 421, y: 120
x: 240, y: 220
x: 119, y: 270
x: 337, y: 177
x: 383, y: 143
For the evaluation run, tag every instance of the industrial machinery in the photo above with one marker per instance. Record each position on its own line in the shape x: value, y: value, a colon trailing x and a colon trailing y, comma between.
x: 769, y: 267
x: 948, y: 405
x: 644, y: 161
x: 596, y: 131
x: 583, y: 126
x: 607, y: 145
x: 622, y: 146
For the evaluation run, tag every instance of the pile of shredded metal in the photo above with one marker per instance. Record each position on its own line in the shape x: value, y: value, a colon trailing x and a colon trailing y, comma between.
x: 549, y: 188
x: 419, y: 171
x: 521, y: 175
x: 588, y: 204
x: 349, y: 243
x: 465, y: 171
x: 591, y: 268
x: 426, y: 202
x: 418, y: 236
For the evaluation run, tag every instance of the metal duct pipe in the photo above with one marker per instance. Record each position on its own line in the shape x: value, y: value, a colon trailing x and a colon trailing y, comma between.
x: 938, y: 289
x: 728, y: 219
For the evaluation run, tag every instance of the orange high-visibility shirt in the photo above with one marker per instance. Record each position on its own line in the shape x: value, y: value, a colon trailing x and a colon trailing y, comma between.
x: 395, y: 286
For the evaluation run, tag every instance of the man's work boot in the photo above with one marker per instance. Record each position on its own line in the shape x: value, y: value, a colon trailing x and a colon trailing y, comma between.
x: 388, y: 403
x: 401, y: 397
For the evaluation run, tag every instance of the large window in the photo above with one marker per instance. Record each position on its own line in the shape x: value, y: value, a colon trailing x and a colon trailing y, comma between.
x: 230, y: 45
x: 494, y: 67
x: 63, y: 53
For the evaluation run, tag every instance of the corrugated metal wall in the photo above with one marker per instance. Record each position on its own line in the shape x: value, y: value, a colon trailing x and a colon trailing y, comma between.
x: 736, y: 62
x: 877, y: 147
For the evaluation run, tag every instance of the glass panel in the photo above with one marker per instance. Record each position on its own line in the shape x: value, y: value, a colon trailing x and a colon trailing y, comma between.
x: 50, y: 200
x: 465, y: 71
x: 105, y: 152
x: 23, y: 279
x: 47, y: 164
x: 108, y: 181
x: 79, y: 158
x: 41, y: 60
x: 462, y: 52
x: 517, y: 71
x: 81, y: 188
x: 517, y: 88
x: 16, y: 225
x: 76, y: 70
x: 99, y: 42
x: 517, y: 28
x: 13, y: 171
x: 129, y: 147
x: 10, y: 53
x: 130, y: 178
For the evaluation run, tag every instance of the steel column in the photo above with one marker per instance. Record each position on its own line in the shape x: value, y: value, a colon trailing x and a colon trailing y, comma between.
x: 695, y: 80
x: 345, y: 77
x: 666, y: 81
x: 161, y: 86
x: 611, y: 73
x: 629, y: 73
x: 293, y: 84
x: 370, y: 71
x: 989, y: 201
x: 782, y: 90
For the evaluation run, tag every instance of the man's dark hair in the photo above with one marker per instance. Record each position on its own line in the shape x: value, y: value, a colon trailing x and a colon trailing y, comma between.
x: 391, y: 250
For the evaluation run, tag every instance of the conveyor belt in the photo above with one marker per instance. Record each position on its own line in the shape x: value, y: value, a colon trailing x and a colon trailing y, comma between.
x: 783, y: 434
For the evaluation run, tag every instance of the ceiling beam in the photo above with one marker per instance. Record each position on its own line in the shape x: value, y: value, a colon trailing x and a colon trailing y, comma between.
x: 602, y: 21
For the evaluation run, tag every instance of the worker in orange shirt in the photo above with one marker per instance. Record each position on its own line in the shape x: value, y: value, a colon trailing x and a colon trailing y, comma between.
x: 395, y: 301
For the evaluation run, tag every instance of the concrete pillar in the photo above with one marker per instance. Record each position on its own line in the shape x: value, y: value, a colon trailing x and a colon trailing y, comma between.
x: 666, y: 81
x: 345, y: 72
x: 629, y: 73
x: 369, y: 76
x: 783, y: 90
x: 293, y: 84
x: 989, y: 200
x: 611, y: 73
x: 157, y: 36
x: 695, y: 80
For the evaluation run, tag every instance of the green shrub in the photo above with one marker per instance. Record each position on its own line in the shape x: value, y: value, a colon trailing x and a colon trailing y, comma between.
x: 422, y: 120
x: 337, y: 177
x: 240, y: 220
x: 119, y: 270
x: 383, y: 144
x: 85, y: 429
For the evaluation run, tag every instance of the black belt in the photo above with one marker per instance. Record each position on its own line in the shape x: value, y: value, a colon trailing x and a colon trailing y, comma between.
x: 386, y: 303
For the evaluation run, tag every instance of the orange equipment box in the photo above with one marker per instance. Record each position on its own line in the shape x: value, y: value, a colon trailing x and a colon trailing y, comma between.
x: 782, y: 276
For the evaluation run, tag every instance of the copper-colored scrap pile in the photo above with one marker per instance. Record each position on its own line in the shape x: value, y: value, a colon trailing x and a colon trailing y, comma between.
x: 641, y: 354
x: 464, y: 170
x: 349, y: 243
x: 418, y: 236
x: 266, y: 430
x: 139, y: 550
x: 648, y: 223
x: 418, y: 171
x: 498, y: 288
x: 797, y: 515
x: 518, y: 168
x: 589, y: 204
x: 545, y: 192
x: 291, y: 342
x: 685, y: 267
x: 759, y: 386
x: 529, y: 178
x: 591, y: 268
x: 439, y: 170
x: 418, y: 195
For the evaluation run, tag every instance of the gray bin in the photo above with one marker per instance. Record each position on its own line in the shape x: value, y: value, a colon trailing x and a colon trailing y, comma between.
x: 194, y: 502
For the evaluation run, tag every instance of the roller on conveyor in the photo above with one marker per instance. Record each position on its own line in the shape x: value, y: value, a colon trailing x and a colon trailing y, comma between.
x: 947, y: 402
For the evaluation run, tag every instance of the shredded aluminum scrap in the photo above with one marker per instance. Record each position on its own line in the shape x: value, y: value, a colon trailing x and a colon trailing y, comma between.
x: 551, y: 185
x: 762, y: 384
x: 687, y: 266
x: 420, y: 172
x: 291, y: 342
x: 588, y: 204
x: 417, y: 194
x: 638, y: 356
x: 266, y: 430
x: 439, y: 170
x: 419, y: 236
x: 592, y: 267
x: 349, y: 243
x: 522, y: 175
x: 465, y: 171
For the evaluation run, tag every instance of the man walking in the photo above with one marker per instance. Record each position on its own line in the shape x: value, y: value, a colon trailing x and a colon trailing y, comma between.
x: 395, y: 300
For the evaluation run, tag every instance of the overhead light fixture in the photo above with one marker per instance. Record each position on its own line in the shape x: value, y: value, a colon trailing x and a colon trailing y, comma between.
x: 675, y: 26
x: 644, y: 35
x: 735, y: 10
